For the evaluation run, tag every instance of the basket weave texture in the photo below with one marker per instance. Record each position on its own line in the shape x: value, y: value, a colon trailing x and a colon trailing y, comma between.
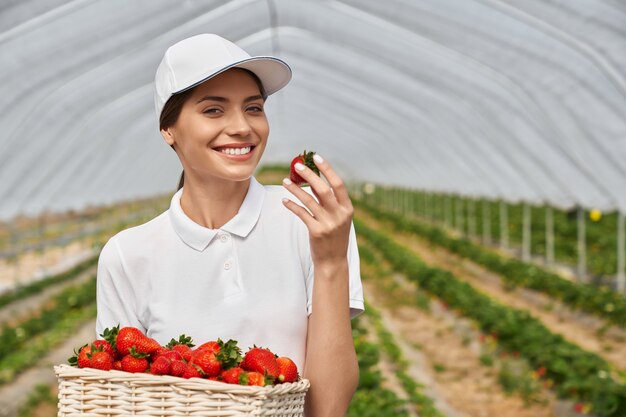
x: 93, y: 393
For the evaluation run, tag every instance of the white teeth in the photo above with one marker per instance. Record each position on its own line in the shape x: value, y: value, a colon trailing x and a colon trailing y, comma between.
x: 237, y: 151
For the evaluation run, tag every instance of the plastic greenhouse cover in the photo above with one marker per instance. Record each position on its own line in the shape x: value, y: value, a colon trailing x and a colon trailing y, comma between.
x: 521, y: 100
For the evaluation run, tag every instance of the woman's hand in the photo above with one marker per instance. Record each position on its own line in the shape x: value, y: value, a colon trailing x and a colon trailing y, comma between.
x: 329, y: 218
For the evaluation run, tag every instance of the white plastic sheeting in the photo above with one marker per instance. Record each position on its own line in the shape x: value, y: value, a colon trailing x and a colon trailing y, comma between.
x: 523, y: 100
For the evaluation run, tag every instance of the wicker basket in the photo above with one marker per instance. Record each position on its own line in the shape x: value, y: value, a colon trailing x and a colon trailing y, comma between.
x: 95, y: 393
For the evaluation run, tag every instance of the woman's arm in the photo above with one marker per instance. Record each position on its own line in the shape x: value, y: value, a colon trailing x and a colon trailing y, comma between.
x: 330, y: 363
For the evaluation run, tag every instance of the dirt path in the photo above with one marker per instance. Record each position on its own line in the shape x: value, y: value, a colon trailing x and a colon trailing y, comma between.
x: 578, y: 328
x: 22, y: 309
x: 13, y: 395
x: 32, y: 266
x: 449, y: 367
x: 387, y: 368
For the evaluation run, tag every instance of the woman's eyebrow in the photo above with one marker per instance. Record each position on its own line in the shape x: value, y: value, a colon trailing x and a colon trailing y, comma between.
x: 224, y: 99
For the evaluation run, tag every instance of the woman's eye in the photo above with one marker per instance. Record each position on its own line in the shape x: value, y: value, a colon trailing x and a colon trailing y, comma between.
x: 211, y: 111
x: 256, y: 108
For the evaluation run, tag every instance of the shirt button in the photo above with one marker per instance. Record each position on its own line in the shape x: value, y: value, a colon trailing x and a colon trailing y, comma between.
x: 227, y: 265
x: 224, y: 238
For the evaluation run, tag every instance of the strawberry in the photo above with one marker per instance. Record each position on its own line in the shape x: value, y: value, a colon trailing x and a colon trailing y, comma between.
x: 81, y: 358
x: 183, y: 346
x: 172, y: 355
x: 117, y: 365
x: 129, y: 337
x: 135, y: 361
x: 306, y: 158
x: 207, y: 362
x: 192, y: 371
x: 161, y: 366
x: 212, y: 346
x: 256, y: 378
x: 262, y: 361
x: 178, y: 368
x: 231, y: 376
x: 104, y: 346
x: 101, y: 360
x: 287, y: 370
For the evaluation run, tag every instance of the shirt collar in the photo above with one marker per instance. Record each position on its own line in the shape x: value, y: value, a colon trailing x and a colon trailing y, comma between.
x: 198, y: 237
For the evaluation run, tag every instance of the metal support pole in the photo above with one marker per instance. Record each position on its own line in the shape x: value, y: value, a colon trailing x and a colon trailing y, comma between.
x: 427, y: 213
x: 504, y: 226
x: 549, y: 236
x: 448, y: 209
x: 459, y: 216
x: 471, y: 219
x: 621, y: 276
x: 582, y: 249
x: 486, y: 223
x: 526, y: 234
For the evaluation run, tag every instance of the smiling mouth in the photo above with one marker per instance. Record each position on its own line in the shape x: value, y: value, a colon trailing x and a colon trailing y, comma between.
x: 236, y: 151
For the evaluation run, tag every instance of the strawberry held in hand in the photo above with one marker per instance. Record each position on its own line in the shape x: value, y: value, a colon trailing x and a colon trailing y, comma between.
x: 306, y: 158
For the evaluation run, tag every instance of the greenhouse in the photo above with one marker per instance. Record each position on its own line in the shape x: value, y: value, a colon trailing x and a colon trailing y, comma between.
x: 482, y: 146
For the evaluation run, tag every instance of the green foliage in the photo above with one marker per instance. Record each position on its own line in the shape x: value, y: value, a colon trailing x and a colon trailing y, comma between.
x: 575, y: 372
x: 71, y: 299
x: 40, y: 394
x: 599, y: 301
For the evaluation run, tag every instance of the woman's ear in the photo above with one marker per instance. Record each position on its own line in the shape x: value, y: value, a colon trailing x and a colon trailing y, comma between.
x: 168, y: 136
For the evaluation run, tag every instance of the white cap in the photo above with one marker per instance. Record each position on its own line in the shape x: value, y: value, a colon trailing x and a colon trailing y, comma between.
x: 196, y: 59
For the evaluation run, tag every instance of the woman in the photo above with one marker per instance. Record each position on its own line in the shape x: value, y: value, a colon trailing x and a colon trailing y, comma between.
x: 227, y: 259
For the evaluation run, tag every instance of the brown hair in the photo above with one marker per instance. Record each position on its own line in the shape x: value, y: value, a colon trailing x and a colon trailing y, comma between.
x: 174, y: 105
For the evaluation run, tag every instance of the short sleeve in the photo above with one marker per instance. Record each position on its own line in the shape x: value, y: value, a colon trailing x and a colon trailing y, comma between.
x: 115, y: 296
x: 354, y: 276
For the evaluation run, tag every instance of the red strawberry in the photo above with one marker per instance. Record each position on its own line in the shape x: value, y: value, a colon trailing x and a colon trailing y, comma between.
x: 117, y: 365
x: 306, y: 158
x: 81, y: 359
x: 231, y: 376
x: 178, y: 368
x: 172, y: 355
x: 212, y: 346
x: 135, y: 361
x: 129, y: 337
x: 288, y: 371
x: 207, y: 362
x: 161, y: 366
x: 101, y: 360
x: 256, y: 378
x: 262, y: 361
x: 104, y: 346
x: 192, y: 371
x: 183, y: 346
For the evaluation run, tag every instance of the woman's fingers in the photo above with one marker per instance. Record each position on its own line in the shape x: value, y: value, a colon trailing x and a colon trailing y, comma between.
x: 307, y: 199
x: 338, y: 187
x: 322, y: 191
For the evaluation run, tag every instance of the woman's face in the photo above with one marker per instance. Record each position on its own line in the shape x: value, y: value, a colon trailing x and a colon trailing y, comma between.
x: 222, y: 117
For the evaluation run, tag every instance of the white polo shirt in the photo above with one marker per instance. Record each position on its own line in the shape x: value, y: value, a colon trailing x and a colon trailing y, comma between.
x: 250, y: 280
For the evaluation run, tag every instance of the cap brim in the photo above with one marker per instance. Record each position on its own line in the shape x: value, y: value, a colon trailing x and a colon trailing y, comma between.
x: 274, y: 73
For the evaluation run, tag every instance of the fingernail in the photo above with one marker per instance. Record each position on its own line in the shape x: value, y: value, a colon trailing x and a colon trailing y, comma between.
x: 317, y: 158
x: 299, y: 166
x: 286, y: 181
x: 285, y: 200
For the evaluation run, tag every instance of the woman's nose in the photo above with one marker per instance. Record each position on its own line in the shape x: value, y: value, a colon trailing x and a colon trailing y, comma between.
x: 238, y: 124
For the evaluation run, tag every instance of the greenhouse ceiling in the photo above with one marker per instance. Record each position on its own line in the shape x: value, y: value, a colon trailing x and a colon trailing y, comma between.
x: 521, y: 100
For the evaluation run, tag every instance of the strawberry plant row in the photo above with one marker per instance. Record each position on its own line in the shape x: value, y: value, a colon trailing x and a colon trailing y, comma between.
x: 425, y: 405
x: 370, y: 398
x: 599, y: 301
x: 38, y: 286
x: 71, y: 299
x: 36, y: 348
x: 576, y: 373
x: 601, y: 235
